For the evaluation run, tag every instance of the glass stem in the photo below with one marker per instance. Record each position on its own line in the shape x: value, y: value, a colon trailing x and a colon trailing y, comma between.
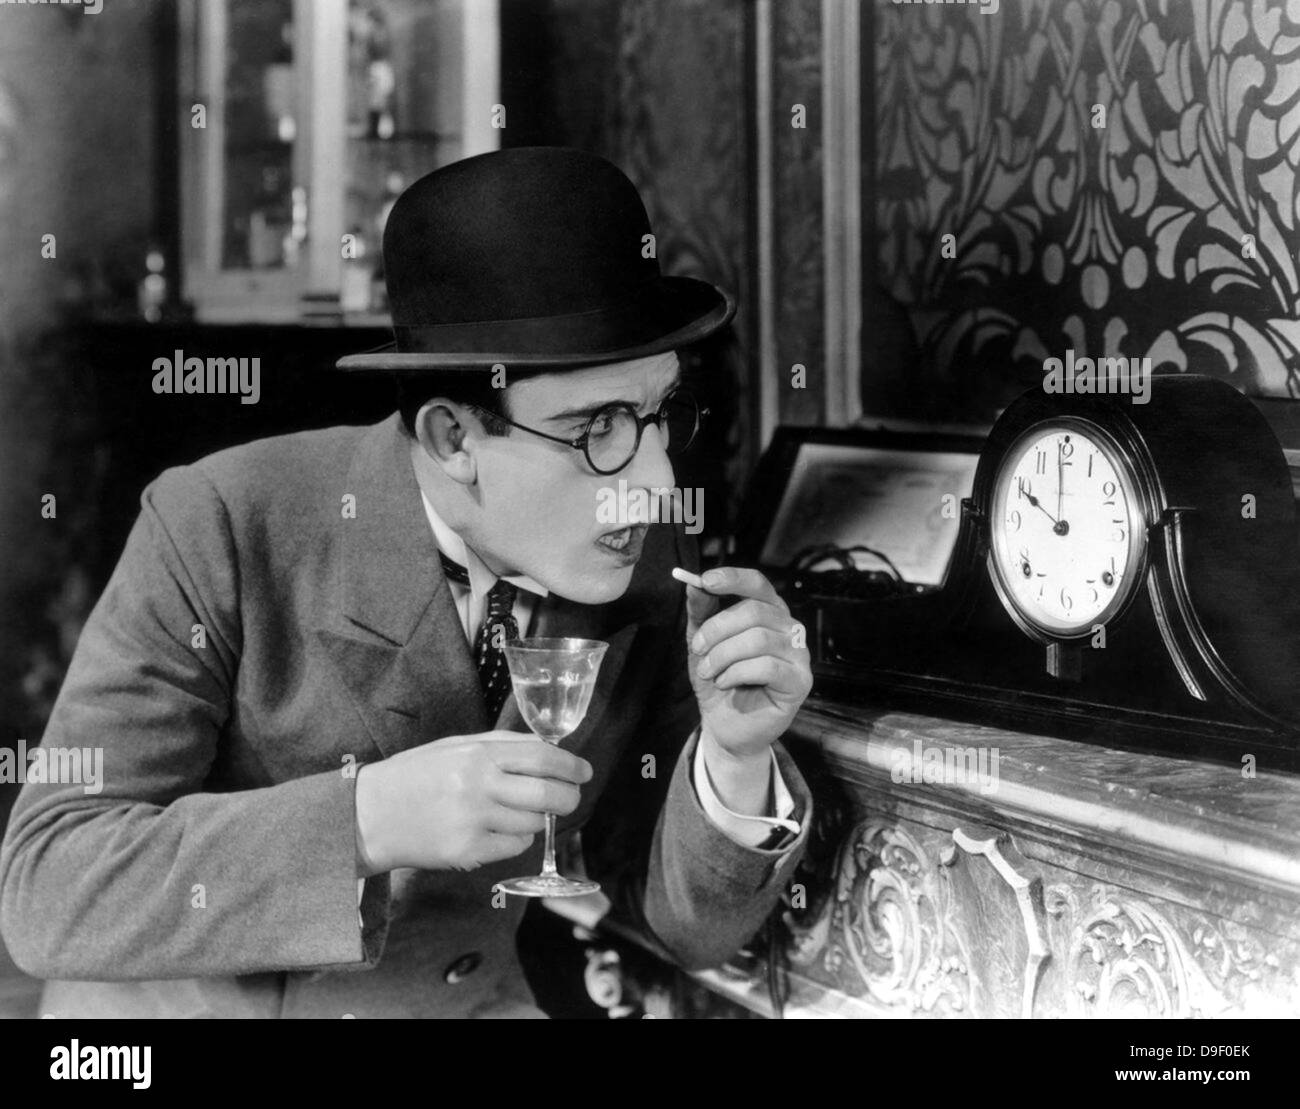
x: 548, y: 858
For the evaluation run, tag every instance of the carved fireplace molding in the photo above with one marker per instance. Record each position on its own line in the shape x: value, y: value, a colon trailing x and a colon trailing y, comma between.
x: 918, y: 922
x: 1127, y: 957
x: 888, y: 932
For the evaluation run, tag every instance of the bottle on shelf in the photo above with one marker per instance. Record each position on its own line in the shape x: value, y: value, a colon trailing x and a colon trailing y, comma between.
x: 278, y: 89
x: 153, y: 286
x: 381, y: 79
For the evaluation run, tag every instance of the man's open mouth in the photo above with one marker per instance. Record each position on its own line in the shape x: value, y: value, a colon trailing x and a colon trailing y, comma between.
x: 624, y: 539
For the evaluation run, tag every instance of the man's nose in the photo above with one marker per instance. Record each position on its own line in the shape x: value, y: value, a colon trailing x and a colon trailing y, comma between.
x: 650, y: 467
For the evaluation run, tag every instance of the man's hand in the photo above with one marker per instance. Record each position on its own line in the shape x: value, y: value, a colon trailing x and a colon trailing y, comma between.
x: 463, y: 801
x: 749, y: 677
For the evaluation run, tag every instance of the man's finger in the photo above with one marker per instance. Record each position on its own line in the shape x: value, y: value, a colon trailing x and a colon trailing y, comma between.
x: 543, y: 795
x: 494, y: 846
x: 700, y: 605
x: 777, y: 674
x: 502, y: 736
x: 739, y: 618
x: 479, y: 737
x: 750, y: 643
x: 514, y: 822
x: 538, y: 759
x: 736, y: 581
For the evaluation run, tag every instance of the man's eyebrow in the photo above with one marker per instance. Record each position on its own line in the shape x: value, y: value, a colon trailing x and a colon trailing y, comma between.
x: 589, y: 410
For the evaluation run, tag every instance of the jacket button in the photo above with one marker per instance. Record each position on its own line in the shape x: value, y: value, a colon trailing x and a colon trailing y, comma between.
x: 462, y: 968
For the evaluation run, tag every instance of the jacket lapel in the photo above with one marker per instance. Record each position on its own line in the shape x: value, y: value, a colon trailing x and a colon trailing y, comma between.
x: 393, y: 632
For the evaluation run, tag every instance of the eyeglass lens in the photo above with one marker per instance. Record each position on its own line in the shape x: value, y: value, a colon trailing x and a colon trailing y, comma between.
x: 612, y: 437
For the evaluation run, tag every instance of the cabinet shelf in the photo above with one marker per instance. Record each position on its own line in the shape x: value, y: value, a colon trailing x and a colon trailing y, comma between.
x: 429, y: 137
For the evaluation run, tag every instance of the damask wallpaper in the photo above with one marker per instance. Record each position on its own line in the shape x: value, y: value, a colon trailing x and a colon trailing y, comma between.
x: 1118, y: 177
x: 798, y: 304
x: 660, y: 88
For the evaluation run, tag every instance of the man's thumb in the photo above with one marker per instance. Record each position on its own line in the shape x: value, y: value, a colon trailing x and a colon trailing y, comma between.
x: 700, y: 605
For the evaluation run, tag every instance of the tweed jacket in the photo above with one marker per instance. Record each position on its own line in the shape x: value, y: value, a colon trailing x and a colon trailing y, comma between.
x: 257, y: 642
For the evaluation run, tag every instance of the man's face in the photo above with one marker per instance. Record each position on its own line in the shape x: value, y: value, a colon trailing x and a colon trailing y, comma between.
x: 538, y: 500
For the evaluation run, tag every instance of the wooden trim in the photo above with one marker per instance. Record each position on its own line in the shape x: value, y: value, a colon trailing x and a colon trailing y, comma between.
x: 324, y: 103
x: 212, y: 56
x: 167, y: 60
x: 769, y: 414
x: 1041, y: 785
x: 202, y: 40
x: 190, y: 91
x: 842, y: 208
x: 481, y: 82
x: 1293, y: 464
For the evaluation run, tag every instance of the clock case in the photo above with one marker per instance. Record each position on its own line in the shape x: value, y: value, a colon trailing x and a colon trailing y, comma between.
x: 1203, y: 658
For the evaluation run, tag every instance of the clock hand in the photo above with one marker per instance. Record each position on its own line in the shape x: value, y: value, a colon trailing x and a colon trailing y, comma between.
x: 1058, y: 526
x: 1060, y: 476
x: 1034, y: 501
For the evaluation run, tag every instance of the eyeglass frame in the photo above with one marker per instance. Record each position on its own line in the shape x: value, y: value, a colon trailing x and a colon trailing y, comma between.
x: 580, y: 443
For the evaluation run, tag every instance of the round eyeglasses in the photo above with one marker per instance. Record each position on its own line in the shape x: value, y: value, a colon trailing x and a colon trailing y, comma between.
x: 613, y: 434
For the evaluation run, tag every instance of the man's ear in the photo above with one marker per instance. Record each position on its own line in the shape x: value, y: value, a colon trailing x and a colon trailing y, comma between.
x: 442, y: 427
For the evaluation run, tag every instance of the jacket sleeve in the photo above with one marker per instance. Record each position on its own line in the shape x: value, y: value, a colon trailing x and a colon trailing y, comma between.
x: 154, y: 876
x: 676, y: 877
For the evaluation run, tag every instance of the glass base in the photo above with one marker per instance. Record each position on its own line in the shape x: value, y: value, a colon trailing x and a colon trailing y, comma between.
x: 547, y: 885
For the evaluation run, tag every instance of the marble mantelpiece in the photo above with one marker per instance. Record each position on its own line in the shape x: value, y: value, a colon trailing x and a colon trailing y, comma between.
x: 1089, y: 881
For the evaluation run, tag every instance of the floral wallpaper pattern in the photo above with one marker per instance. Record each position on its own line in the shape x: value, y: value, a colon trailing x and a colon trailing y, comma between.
x: 799, y: 304
x: 1118, y: 175
x: 678, y: 129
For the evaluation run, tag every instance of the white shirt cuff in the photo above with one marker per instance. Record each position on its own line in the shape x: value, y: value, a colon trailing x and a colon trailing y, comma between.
x: 749, y: 831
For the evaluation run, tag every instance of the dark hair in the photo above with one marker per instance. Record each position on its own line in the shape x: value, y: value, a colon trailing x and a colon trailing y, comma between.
x: 471, y: 388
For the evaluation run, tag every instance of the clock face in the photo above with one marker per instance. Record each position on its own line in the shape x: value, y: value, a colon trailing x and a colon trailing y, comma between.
x: 1067, y: 529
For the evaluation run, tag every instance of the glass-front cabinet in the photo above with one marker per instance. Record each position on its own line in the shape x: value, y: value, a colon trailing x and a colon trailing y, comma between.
x: 302, y: 121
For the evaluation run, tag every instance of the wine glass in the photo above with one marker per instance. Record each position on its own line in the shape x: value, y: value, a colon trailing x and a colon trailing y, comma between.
x: 553, y: 681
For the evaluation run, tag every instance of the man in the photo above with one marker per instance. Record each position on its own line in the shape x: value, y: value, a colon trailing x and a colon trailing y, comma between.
x: 312, y: 765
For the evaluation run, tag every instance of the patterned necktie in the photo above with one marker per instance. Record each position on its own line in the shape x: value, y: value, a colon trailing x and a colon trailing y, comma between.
x: 498, y: 626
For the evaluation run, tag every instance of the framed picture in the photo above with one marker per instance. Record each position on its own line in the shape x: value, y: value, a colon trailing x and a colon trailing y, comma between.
x: 898, y: 493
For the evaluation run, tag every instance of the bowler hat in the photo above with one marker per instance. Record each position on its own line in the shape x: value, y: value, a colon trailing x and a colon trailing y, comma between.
x: 532, y: 256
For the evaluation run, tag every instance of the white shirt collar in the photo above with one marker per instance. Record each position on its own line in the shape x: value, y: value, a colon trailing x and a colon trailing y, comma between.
x: 481, y: 579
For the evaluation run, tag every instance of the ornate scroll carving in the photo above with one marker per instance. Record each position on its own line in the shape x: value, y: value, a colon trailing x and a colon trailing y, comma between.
x: 1127, y: 958
x: 913, y: 921
x: 887, y: 930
